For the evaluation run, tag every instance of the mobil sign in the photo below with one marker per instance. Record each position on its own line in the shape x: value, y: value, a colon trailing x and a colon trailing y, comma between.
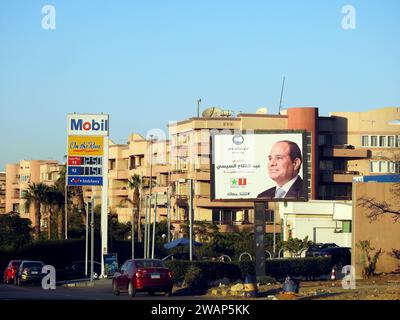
x: 87, y: 124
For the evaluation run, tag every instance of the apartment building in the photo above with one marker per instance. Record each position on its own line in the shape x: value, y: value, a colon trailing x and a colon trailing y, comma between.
x: 18, y: 178
x: 2, y: 192
x: 357, y: 143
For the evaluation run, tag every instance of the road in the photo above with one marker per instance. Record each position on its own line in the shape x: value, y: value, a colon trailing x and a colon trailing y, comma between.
x: 101, y: 291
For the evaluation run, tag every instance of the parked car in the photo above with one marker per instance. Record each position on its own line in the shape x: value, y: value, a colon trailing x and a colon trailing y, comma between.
x: 11, y: 271
x: 340, y: 256
x: 76, y: 270
x: 143, y: 275
x: 29, y: 272
x: 314, y: 248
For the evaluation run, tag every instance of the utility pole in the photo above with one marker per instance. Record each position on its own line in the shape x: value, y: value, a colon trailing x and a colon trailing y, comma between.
x: 148, y: 229
x: 154, y: 228
x: 145, y: 227
x: 133, y: 233
x: 92, y: 241
x: 169, y: 208
x: 190, y: 219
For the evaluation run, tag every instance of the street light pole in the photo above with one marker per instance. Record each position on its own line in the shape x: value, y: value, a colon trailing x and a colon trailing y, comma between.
x: 148, y: 229
x: 169, y: 208
x: 154, y: 228
x: 145, y: 227
x: 133, y: 233
x: 92, y: 242
x: 190, y: 219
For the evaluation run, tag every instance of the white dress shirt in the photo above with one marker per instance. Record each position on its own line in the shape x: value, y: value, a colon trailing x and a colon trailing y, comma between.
x: 286, y: 186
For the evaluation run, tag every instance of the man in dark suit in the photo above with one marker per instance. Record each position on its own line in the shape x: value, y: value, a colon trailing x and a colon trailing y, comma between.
x: 284, y: 165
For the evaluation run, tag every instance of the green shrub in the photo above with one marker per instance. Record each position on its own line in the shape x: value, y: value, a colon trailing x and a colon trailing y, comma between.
x: 195, y: 278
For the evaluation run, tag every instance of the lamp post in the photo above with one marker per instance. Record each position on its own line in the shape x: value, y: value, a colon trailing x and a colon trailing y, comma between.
x: 190, y: 185
x: 133, y: 233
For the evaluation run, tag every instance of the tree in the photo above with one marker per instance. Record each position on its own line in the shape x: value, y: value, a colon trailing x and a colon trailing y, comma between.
x: 379, y: 208
x: 202, y: 230
x: 36, y: 195
x: 135, y: 182
x: 54, y: 201
x: 368, y: 260
x: 15, y: 232
x: 296, y: 246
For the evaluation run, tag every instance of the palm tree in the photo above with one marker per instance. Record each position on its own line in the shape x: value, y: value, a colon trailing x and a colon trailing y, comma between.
x: 135, y: 183
x: 54, y: 200
x: 36, y: 195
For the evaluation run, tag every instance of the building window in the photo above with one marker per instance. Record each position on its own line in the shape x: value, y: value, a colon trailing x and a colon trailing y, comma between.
x: 374, y: 166
x: 391, y: 143
x: 382, y: 141
x: 269, y: 216
x: 374, y: 141
x: 364, y: 141
x: 346, y: 226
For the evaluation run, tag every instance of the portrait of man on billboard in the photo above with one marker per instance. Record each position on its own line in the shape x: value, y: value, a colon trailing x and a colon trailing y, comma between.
x: 284, y: 163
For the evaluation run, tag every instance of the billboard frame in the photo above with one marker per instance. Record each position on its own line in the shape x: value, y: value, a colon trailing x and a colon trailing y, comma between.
x: 305, y: 154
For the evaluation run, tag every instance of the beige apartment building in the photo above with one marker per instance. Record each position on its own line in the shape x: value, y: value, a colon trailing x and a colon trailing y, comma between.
x: 18, y: 178
x: 2, y: 192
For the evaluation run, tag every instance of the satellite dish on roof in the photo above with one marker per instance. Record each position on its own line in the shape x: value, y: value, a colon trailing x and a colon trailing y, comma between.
x: 212, y: 112
x: 262, y: 111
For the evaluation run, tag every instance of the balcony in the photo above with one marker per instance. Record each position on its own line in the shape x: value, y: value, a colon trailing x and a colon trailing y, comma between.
x: 119, y: 192
x: 118, y: 174
x: 339, y: 176
x: 234, y: 227
x: 344, y: 151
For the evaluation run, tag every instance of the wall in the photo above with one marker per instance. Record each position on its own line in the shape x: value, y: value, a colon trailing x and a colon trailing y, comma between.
x: 383, y: 233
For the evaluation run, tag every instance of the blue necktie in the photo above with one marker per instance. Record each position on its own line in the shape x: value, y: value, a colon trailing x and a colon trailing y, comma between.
x: 279, y: 193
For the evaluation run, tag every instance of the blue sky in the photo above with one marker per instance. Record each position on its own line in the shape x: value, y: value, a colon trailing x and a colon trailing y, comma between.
x: 147, y: 62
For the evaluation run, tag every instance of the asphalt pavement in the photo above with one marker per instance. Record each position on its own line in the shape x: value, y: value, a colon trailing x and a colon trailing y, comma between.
x: 100, y: 291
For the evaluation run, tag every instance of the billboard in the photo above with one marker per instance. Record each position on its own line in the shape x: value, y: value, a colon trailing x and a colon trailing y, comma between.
x: 86, y: 149
x: 259, y: 166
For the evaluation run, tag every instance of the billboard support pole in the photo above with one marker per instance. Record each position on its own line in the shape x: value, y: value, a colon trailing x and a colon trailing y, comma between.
x: 66, y: 205
x: 259, y: 235
x: 87, y: 239
x: 104, y: 206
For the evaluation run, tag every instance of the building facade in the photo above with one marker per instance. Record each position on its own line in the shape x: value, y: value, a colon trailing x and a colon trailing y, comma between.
x: 18, y: 178
x: 2, y: 192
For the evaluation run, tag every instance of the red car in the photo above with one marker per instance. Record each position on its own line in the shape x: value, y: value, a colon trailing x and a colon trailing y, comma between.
x: 144, y: 275
x: 11, y: 271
